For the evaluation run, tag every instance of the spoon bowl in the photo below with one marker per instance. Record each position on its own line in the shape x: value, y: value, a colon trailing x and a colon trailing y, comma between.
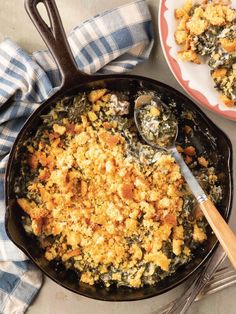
x: 148, y: 100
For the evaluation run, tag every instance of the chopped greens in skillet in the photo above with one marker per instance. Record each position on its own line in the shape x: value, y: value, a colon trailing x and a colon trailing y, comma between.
x: 102, y: 202
x: 157, y: 123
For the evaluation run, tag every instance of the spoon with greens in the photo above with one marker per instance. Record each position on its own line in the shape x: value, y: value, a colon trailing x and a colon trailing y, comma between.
x: 159, y: 128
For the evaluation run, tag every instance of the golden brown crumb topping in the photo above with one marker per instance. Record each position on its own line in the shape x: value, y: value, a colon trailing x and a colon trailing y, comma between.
x: 110, y: 216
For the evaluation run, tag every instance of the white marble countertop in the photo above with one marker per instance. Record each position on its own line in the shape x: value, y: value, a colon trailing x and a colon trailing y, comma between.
x: 52, y: 298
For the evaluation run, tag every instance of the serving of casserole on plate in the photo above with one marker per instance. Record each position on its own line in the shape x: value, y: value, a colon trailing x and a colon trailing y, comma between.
x: 104, y: 203
x: 199, y: 43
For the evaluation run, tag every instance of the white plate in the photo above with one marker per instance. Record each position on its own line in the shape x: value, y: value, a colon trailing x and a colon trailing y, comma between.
x: 194, y: 78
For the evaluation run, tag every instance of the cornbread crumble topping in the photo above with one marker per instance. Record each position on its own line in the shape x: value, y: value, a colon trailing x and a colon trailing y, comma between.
x: 92, y: 203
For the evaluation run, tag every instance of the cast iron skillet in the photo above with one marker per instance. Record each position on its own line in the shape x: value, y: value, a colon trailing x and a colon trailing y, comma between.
x: 207, y: 137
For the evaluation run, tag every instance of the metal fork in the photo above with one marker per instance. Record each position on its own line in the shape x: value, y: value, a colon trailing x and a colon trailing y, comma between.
x: 223, y: 278
x: 208, y: 282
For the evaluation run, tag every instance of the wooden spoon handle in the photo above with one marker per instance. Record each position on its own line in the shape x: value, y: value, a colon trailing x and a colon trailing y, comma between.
x: 221, y: 229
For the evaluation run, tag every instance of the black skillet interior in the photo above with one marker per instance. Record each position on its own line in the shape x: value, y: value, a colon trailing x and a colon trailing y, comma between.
x: 206, y: 138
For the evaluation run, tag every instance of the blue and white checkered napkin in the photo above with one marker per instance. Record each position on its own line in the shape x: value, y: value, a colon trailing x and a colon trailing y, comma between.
x: 112, y: 42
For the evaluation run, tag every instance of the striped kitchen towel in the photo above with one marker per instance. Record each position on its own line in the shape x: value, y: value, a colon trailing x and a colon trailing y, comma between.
x: 111, y: 42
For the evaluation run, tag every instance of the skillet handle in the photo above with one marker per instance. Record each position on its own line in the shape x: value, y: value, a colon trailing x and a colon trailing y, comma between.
x: 56, y: 41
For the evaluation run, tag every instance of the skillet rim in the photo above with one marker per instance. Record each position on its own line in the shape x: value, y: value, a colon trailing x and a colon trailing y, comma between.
x: 62, y: 93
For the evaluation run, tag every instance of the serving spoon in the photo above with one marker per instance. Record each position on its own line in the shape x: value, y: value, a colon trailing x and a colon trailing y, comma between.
x: 221, y: 229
